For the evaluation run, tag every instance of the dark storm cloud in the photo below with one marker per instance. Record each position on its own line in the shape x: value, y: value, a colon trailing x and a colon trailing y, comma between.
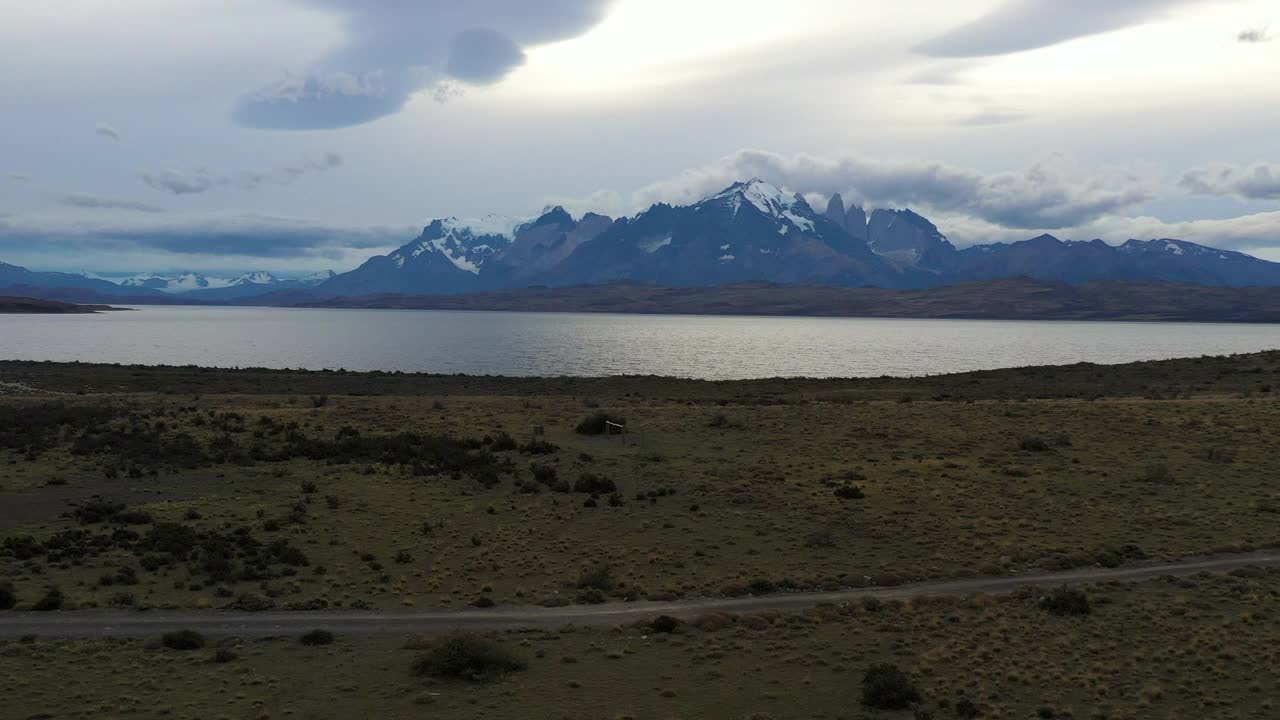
x: 200, y: 180
x: 1027, y: 24
x: 482, y: 56
x: 1043, y: 197
x: 1256, y: 182
x: 93, y: 202
x: 396, y: 48
x: 245, y: 236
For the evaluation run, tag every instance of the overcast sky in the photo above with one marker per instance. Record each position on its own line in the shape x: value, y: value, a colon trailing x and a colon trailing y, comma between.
x: 299, y: 135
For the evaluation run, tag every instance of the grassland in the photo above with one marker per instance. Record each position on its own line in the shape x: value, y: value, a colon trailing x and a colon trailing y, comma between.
x: 1200, y: 647
x: 238, y: 484
x: 190, y: 488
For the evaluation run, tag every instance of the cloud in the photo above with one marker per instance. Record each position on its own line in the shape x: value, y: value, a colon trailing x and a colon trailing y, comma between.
x: 1045, y: 196
x: 993, y: 116
x: 250, y: 180
x: 202, y: 180
x: 181, y: 183
x: 1255, y: 35
x: 63, y: 241
x: 482, y: 56
x: 106, y: 131
x: 397, y: 48
x: 1260, y: 181
x: 94, y: 202
x: 19, y: 177
x: 1019, y: 25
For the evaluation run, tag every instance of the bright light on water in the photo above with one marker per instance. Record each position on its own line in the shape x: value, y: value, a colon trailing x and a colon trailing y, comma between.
x: 587, y: 344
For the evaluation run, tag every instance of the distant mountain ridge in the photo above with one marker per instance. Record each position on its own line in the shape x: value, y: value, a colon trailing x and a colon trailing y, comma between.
x: 754, y: 231
x: 749, y: 231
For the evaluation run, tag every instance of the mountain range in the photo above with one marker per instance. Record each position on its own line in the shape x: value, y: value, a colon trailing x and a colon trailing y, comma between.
x: 750, y: 231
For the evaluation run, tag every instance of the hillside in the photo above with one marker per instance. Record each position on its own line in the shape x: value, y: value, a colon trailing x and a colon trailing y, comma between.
x: 1016, y: 299
x: 32, y: 306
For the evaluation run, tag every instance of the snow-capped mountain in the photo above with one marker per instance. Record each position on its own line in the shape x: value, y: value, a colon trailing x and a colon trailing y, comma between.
x: 447, y: 257
x: 756, y: 231
x: 260, y: 277
x: 748, y: 231
x: 255, y: 283
x: 182, y: 282
x: 13, y: 276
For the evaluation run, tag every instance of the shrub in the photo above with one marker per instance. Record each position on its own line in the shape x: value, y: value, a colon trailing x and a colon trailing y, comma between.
x: 599, y: 577
x: 544, y: 474
x: 52, y: 600
x: 133, y: 517
x: 1159, y: 474
x: 966, y: 708
x: 8, y: 598
x: 885, y: 687
x: 183, y: 640
x: 1065, y: 601
x: 591, y: 596
x: 469, y: 657
x: 249, y: 602
x: 317, y: 637
x: 850, y: 492
x: 1033, y: 443
x: 664, y: 624
x: 597, y: 424
x: 223, y: 656
x: 594, y: 484
x: 503, y: 442
x: 539, y: 447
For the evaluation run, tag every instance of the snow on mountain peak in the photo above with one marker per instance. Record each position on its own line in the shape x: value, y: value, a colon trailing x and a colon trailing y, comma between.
x: 465, y: 243
x: 488, y: 225
x: 767, y: 198
x: 260, y: 277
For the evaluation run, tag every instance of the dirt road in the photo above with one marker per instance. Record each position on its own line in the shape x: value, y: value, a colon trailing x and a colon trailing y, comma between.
x: 130, y: 623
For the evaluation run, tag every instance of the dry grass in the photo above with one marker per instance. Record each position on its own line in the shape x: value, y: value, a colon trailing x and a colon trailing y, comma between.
x: 1197, y: 647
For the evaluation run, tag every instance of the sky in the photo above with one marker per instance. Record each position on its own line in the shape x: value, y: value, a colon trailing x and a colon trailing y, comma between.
x: 303, y: 135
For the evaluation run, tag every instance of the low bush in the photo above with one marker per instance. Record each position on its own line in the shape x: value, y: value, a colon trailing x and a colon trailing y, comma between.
x: 52, y: 600
x: 850, y: 492
x: 316, y: 638
x: 597, y: 424
x: 8, y: 598
x: 599, y: 577
x: 539, y: 447
x: 594, y: 484
x: 223, y: 656
x: 1033, y: 443
x: 468, y: 657
x: 1065, y: 601
x: 183, y: 640
x: 885, y: 687
x: 1160, y: 474
x: 664, y: 624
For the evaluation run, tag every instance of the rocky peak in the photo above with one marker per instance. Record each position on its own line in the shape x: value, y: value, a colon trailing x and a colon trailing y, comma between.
x: 836, y: 212
x: 905, y: 238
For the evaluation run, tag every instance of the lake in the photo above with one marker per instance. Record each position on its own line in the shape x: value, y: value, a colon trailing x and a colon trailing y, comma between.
x: 499, y: 343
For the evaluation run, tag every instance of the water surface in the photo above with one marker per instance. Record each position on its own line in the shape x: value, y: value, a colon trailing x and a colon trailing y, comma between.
x: 500, y: 343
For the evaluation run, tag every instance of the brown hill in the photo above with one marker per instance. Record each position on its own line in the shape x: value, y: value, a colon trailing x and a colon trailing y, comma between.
x: 1014, y: 299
